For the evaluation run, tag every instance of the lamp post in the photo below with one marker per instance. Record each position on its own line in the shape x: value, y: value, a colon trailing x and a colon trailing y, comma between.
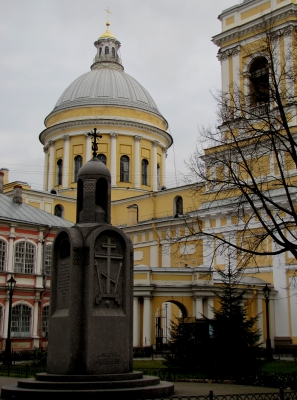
x: 7, y: 355
x: 266, y: 292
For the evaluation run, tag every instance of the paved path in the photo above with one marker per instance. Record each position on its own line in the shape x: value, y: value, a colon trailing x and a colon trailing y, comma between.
x: 191, y: 388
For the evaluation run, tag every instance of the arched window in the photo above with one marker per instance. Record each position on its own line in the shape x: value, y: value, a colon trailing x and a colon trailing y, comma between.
x: 45, y: 315
x: 102, y: 158
x: 106, y: 50
x: 113, y: 52
x: 178, y: 205
x: 59, y: 172
x: 259, y: 82
x: 48, y: 259
x: 77, y: 166
x: 2, y: 255
x: 125, y: 167
x: 144, y: 166
x: 21, y: 321
x: 100, y: 51
x: 59, y: 210
x: 24, y: 257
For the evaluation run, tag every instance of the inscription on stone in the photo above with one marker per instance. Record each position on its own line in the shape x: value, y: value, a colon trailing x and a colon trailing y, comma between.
x: 63, y: 283
x: 109, y: 358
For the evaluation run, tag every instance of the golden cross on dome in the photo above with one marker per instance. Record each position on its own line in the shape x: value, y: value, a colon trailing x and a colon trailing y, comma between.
x: 107, y: 21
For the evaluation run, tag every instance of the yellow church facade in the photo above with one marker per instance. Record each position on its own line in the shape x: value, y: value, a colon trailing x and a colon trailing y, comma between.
x: 174, y: 271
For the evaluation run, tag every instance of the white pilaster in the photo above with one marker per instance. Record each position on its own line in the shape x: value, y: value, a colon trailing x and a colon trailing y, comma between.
x: 6, y: 312
x: 39, y: 253
x: 113, y: 158
x: 136, y: 325
x: 164, y: 156
x: 208, y: 251
x: 137, y: 162
x: 11, y: 249
x: 147, y: 321
x: 45, y: 168
x: 199, y: 307
x: 289, y: 69
x: 65, y: 177
x: 166, y: 256
x: 260, y: 316
x: 35, y: 318
x: 154, y: 166
x: 88, y: 148
x: 51, y: 168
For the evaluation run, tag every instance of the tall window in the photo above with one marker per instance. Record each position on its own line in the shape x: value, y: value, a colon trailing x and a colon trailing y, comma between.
x: 144, y: 166
x: 24, y: 257
x: 48, y: 259
x: 21, y: 321
x: 2, y: 255
x: 45, y: 315
x: 59, y: 172
x: 59, y: 210
x: 100, y: 51
x: 106, y: 50
x: 259, y: 82
x: 113, y: 52
x: 178, y: 205
x: 77, y: 166
x: 102, y: 158
x: 125, y: 166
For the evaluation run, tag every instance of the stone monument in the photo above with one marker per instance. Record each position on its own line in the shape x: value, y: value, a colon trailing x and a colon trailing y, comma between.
x: 90, y: 351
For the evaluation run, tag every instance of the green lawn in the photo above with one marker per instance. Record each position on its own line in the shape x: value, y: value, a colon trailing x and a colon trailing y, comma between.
x: 280, y: 366
x: 148, y: 364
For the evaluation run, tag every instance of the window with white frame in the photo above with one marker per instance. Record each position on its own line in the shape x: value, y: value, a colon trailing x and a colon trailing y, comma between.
x: 24, y: 257
x: 45, y: 315
x: 144, y: 165
x: 124, y: 169
x: 48, y: 259
x: 3, y: 250
x: 21, y: 321
x: 77, y: 166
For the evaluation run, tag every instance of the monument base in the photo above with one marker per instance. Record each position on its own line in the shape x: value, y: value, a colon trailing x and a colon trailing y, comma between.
x: 133, y: 385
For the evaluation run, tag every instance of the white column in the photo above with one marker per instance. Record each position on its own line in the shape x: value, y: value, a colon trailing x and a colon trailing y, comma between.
x: 281, y: 297
x: 35, y: 318
x: 208, y: 252
x: 260, y: 315
x: 198, y: 307
x: 11, y: 249
x: 136, y: 322
x: 88, y: 148
x: 45, y: 168
x: 154, y: 169
x: 113, y: 158
x: 224, y: 58
x: 39, y: 253
x: 137, y: 162
x: 209, y: 309
x: 146, y: 341
x: 5, y: 325
x: 236, y: 67
x: 289, y: 71
x: 51, y: 168
x: 164, y: 156
x: 65, y: 177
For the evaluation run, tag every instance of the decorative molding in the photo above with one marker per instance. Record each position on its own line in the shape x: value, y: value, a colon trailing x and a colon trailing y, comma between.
x: 66, y: 138
x: 114, y: 135
x: 233, y: 51
x: 155, y: 143
x: 80, y: 123
x: 51, y: 143
x: 45, y: 149
x: 137, y: 138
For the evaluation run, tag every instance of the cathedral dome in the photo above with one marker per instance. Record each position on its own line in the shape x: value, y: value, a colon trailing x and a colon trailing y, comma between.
x: 106, y: 86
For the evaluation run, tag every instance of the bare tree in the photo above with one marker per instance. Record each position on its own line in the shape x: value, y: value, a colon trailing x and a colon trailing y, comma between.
x: 249, y: 163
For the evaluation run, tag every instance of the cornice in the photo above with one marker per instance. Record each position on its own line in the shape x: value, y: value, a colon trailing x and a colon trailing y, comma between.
x: 258, y: 23
x: 77, y: 123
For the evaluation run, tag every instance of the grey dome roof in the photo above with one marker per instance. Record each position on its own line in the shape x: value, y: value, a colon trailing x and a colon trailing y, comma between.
x: 106, y: 86
x: 94, y: 167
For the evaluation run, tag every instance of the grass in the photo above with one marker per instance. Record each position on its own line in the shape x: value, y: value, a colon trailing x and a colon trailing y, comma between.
x: 280, y: 366
x: 148, y: 364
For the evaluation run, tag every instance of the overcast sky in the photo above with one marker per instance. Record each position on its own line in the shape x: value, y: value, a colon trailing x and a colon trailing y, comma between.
x: 46, y: 44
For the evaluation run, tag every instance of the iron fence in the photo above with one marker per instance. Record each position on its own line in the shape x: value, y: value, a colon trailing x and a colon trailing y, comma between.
x: 21, y: 369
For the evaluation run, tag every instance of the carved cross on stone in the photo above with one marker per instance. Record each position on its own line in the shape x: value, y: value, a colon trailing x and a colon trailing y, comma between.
x: 94, y: 135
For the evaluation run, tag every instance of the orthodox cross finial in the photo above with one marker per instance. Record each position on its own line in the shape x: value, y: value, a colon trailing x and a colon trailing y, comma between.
x: 94, y: 135
x: 107, y: 17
